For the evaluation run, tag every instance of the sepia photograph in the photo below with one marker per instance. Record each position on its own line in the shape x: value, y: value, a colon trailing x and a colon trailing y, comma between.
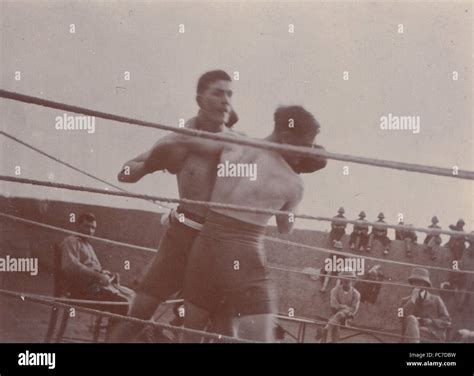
x: 245, y: 172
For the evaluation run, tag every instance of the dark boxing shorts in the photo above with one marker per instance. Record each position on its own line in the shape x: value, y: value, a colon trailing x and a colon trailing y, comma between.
x: 226, y: 265
x: 165, y: 274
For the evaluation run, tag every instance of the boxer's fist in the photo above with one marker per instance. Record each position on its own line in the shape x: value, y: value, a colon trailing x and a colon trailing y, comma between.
x: 312, y: 163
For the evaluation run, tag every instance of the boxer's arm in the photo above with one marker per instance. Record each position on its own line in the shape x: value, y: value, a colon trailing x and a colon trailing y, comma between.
x: 166, y: 154
x: 284, y: 222
x: 312, y: 163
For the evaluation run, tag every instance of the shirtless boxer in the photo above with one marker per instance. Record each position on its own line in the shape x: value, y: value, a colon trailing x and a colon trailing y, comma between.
x: 196, y: 176
x: 227, y: 263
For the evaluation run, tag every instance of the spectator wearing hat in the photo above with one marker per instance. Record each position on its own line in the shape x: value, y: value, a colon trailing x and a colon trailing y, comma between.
x: 424, y: 314
x: 408, y: 237
x: 456, y: 243
x: 344, y: 300
x: 338, y: 229
x: 359, y: 236
x: 433, y: 241
x: 379, y: 233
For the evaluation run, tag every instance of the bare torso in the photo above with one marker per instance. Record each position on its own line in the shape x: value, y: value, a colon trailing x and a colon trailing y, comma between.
x: 196, y: 181
x: 275, y: 184
x: 197, y: 177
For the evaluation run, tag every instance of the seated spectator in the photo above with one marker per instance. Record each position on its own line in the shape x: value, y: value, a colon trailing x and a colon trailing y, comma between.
x: 408, y: 237
x: 424, y: 314
x: 82, y: 271
x: 338, y: 230
x: 433, y: 241
x: 359, y: 236
x: 456, y: 243
x: 379, y: 234
x: 345, y: 300
x: 369, y: 291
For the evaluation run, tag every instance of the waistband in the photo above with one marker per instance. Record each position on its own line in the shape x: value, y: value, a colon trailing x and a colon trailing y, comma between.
x: 222, y: 227
x: 186, y: 218
x: 189, y: 215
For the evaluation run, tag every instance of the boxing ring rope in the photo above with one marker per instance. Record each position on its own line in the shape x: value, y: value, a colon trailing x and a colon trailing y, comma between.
x: 433, y: 170
x: 342, y: 253
x: 77, y: 169
x: 260, y: 144
x: 388, y: 283
x: 54, y: 302
x: 287, y: 242
x: 41, y: 299
x: 217, y: 205
x: 35, y: 299
x: 128, y: 245
x: 93, y: 302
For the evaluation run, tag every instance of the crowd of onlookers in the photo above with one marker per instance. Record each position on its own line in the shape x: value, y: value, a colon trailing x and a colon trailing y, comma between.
x: 423, y: 314
x: 362, y: 239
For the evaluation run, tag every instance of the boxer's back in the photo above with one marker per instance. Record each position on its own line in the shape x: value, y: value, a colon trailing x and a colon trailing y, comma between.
x: 271, y: 185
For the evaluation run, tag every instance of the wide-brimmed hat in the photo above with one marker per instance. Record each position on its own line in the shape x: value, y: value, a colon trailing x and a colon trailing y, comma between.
x: 341, y: 210
x: 362, y: 214
x: 420, y: 275
x: 381, y: 216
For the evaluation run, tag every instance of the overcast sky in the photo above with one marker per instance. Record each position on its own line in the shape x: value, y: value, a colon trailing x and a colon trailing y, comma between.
x: 405, y: 74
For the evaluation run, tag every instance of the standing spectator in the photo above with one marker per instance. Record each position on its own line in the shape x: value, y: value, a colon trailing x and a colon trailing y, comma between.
x: 359, y: 236
x: 338, y: 230
x: 424, y: 314
x: 380, y: 234
x: 433, y: 241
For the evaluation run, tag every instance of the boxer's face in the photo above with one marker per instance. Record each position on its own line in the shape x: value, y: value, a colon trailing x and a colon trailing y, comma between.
x: 215, y: 102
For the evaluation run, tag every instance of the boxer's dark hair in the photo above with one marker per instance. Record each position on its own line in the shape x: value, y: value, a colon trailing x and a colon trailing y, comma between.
x: 89, y: 217
x: 209, y: 77
x: 302, y: 121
